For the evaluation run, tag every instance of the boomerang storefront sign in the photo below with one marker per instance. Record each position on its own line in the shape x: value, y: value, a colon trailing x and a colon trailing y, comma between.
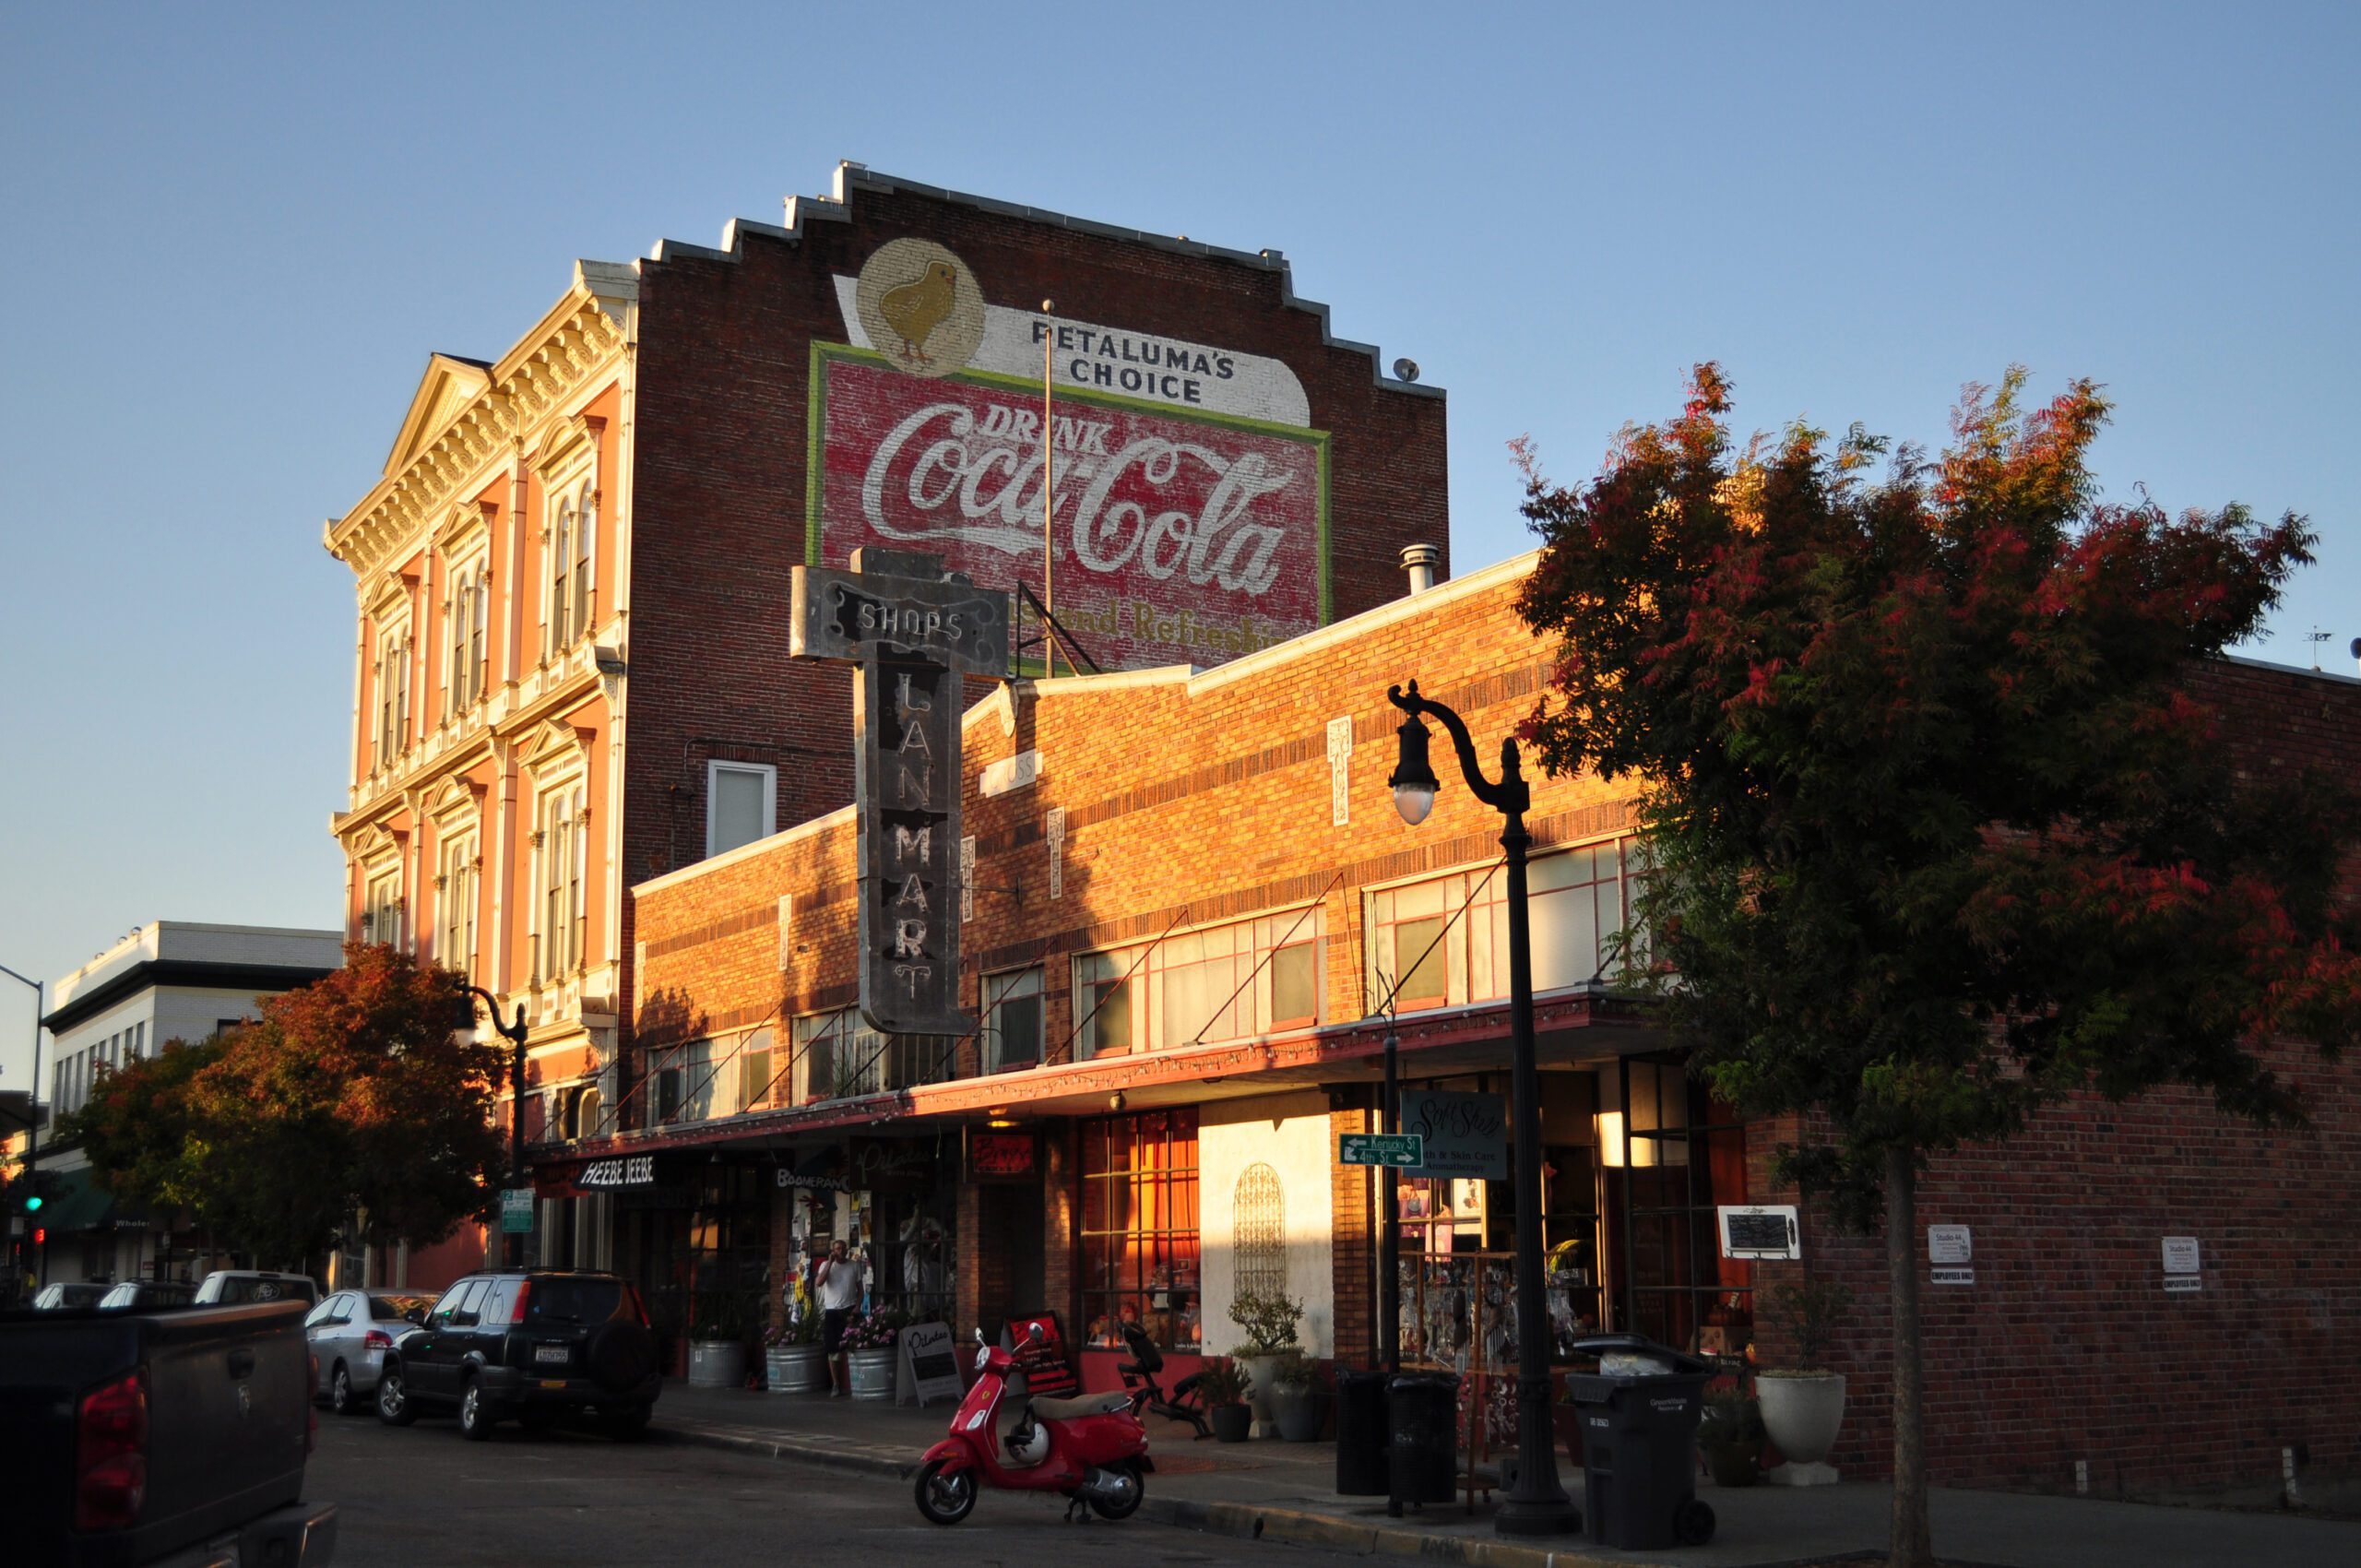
x: 1192, y: 515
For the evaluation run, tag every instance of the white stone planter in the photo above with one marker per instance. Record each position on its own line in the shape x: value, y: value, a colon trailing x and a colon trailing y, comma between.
x: 873, y: 1373
x: 1260, y: 1383
x: 716, y: 1364
x: 1802, y: 1412
x: 797, y: 1369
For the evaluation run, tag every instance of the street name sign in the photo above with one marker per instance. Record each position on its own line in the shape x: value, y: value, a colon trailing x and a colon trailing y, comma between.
x: 1407, y: 1151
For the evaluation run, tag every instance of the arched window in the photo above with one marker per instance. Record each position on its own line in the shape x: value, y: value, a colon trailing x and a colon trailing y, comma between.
x: 479, y: 616
x: 586, y: 537
x: 561, y: 603
x: 1258, y: 1220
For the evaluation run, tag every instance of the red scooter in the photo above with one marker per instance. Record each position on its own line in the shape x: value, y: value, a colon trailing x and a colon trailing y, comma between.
x: 1092, y: 1450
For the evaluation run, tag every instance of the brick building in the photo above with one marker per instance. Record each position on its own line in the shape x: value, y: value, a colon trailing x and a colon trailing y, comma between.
x: 570, y: 659
x: 1184, y: 919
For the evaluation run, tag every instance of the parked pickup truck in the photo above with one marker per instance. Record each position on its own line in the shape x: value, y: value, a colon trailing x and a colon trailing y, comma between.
x: 169, y: 1438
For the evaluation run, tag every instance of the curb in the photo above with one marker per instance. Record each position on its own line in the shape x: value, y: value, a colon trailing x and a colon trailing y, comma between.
x: 794, y: 1450
x: 1296, y: 1526
x: 1238, y: 1521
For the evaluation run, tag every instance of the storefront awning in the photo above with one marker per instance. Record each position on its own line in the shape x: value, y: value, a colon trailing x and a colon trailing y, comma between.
x: 76, y: 1203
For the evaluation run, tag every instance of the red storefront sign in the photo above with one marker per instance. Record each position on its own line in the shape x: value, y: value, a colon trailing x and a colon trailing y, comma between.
x: 999, y: 1156
x: 1180, y: 539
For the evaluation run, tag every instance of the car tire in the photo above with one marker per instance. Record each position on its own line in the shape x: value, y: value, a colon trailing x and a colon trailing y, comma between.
x: 394, y: 1406
x: 475, y: 1419
x: 340, y: 1397
x: 620, y: 1356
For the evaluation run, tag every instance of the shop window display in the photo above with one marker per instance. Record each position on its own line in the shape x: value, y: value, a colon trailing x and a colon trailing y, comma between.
x: 1139, y: 1242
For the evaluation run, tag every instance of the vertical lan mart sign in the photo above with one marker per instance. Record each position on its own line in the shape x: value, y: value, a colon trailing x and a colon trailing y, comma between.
x: 911, y: 631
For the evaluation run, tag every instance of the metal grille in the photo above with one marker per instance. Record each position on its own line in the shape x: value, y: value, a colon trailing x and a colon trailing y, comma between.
x: 1259, y: 1233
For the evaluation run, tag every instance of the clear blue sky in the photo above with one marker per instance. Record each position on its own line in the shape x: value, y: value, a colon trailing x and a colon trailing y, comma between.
x: 233, y: 234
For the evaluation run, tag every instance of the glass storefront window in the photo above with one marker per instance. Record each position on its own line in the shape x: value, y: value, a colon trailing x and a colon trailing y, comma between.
x: 1139, y: 1228
x: 1221, y: 982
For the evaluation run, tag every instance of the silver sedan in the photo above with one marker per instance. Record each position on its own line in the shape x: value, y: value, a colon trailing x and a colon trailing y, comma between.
x: 351, y: 1332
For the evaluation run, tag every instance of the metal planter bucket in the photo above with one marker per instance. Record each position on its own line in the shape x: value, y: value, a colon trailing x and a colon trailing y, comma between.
x: 716, y: 1364
x: 797, y: 1369
x: 873, y: 1373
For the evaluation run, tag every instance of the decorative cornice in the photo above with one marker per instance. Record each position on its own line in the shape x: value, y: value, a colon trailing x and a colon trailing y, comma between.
x: 574, y: 342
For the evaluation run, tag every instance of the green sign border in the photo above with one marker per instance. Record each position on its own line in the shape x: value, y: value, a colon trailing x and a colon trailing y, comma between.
x: 816, y: 435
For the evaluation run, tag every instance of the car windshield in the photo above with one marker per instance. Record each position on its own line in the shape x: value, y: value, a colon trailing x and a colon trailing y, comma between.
x: 393, y: 1309
x: 573, y: 1300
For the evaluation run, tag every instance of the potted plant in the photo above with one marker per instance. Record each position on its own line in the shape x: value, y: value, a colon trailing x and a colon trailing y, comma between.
x: 1223, y: 1388
x: 1269, y: 1325
x: 717, y: 1342
x: 1731, y: 1437
x: 868, y: 1346
x: 1299, y: 1399
x: 794, y: 1363
x: 1804, y: 1404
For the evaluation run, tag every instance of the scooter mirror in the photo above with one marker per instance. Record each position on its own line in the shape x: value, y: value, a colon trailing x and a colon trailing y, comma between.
x: 980, y: 1333
x: 1033, y: 1333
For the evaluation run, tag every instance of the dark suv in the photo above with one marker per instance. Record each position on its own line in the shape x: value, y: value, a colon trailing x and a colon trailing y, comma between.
x: 534, y: 1344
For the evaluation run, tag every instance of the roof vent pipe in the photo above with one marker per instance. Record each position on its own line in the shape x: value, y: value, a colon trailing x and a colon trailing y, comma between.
x: 1420, y: 560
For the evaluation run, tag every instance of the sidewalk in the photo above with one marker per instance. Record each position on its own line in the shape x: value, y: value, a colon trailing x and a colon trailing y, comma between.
x: 1272, y: 1490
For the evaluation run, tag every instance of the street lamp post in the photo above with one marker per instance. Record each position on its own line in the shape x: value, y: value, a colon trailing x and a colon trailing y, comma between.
x: 32, y: 1119
x: 512, y: 1243
x: 1537, y: 1504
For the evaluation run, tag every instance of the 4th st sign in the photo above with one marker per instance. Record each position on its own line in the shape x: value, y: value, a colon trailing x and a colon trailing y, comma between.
x: 911, y: 632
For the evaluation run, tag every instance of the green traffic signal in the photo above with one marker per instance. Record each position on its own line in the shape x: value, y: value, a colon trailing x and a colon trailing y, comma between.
x: 32, y: 1204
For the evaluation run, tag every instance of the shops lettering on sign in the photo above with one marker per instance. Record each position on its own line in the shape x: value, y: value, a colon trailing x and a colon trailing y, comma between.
x: 911, y: 630
x: 999, y: 1156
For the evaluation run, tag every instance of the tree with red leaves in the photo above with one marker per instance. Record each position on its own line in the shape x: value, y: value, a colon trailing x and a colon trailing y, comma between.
x: 351, y: 1099
x: 1941, y: 833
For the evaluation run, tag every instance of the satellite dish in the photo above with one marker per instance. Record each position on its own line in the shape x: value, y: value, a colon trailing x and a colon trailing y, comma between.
x: 1405, y: 370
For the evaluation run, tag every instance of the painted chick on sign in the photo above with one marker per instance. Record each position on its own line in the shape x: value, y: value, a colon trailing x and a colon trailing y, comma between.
x: 916, y: 309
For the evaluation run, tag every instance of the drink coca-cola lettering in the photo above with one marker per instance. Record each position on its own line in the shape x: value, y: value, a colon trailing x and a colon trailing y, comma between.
x: 1178, y: 538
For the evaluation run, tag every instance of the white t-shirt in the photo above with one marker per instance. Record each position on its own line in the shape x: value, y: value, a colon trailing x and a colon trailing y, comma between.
x: 840, y: 1284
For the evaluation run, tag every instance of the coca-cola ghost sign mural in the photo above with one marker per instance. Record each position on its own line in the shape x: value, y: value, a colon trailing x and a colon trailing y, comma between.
x: 1184, y: 534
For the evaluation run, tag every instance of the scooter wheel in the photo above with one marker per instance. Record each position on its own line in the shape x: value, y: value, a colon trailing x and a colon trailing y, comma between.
x: 1692, y: 1523
x: 1132, y: 1489
x: 945, y: 1499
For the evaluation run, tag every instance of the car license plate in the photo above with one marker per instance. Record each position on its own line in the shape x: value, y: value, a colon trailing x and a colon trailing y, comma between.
x: 560, y: 1354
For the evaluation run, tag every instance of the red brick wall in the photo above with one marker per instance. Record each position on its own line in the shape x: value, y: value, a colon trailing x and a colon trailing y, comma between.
x: 2067, y: 1346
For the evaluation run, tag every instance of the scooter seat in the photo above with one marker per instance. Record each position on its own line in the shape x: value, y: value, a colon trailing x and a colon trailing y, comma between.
x: 1084, y: 1405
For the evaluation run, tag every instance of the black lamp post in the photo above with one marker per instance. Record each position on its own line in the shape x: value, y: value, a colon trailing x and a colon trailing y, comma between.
x: 511, y: 1244
x: 1537, y: 1504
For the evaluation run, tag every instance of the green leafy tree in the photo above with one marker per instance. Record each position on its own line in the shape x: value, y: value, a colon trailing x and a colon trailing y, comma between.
x: 352, y: 1095
x: 140, y: 1130
x: 1944, y: 829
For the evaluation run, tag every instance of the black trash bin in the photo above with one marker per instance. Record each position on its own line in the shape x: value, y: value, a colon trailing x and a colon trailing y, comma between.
x: 1422, y: 1425
x: 1640, y: 1448
x: 1361, y: 1434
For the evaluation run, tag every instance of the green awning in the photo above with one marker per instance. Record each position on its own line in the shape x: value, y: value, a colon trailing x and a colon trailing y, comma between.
x: 77, y: 1202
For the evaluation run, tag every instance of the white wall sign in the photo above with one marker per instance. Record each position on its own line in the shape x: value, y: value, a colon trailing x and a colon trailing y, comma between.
x: 1949, y: 1243
x: 2180, y: 1255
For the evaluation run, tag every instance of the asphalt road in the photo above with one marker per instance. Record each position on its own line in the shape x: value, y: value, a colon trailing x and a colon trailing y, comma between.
x: 422, y: 1497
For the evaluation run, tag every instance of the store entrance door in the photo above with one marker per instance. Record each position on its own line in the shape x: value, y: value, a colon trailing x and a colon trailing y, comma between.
x: 1010, y: 1256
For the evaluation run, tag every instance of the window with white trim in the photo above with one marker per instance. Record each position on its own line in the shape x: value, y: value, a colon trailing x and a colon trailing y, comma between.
x: 1013, y: 1020
x: 1222, y: 982
x: 465, y: 617
x: 381, y: 908
x: 561, y: 915
x: 1449, y: 948
x: 741, y: 805
x: 456, y: 898
x: 573, y: 547
x: 391, y: 732
x: 838, y: 1056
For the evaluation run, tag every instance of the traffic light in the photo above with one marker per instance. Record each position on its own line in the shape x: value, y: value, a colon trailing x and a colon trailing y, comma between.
x: 33, y: 1202
x: 40, y: 1235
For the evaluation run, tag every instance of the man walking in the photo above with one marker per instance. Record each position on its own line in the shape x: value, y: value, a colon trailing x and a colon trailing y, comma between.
x: 838, y: 1280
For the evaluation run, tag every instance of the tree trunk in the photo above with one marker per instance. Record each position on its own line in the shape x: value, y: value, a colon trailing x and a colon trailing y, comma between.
x: 1913, y: 1544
